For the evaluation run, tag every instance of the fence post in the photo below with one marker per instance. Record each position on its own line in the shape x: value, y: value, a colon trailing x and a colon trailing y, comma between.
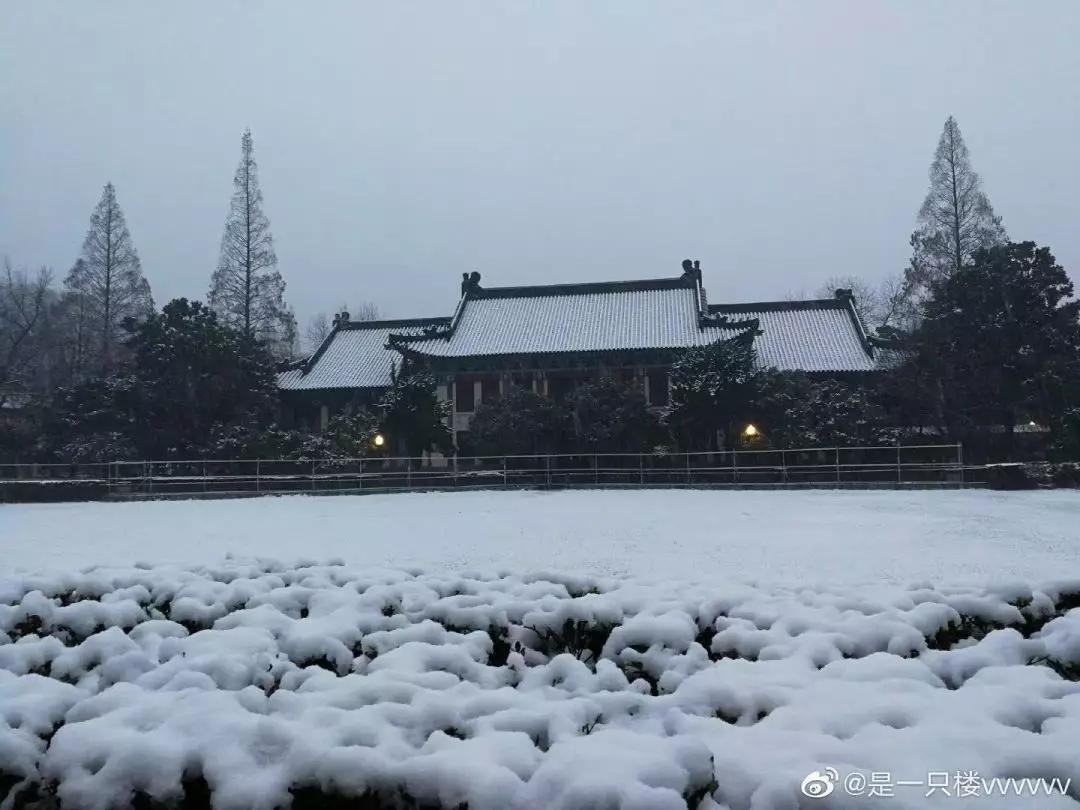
x: 734, y: 466
x: 360, y: 474
x: 258, y: 483
x: 783, y: 465
x: 596, y: 470
x: 547, y: 458
x: 408, y: 473
x: 641, y: 469
x: 204, y: 475
x: 150, y: 476
x: 960, y: 461
x: 838, y: 465
x: 899, y: 473
x: 313, y: 475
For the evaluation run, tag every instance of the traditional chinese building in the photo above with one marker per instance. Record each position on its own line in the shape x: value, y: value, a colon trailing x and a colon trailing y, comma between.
x: 550, y: 338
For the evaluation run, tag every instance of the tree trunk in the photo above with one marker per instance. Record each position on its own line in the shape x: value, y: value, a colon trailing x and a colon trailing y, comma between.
x: 955, y: 199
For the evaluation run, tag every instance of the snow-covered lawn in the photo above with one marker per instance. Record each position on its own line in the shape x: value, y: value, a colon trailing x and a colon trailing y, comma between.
x: 521, y: 650
x: 773, y: 537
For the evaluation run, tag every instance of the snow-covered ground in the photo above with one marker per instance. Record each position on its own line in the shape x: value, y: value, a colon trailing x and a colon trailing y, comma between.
x: 524, y: 650
x: 773, y: 537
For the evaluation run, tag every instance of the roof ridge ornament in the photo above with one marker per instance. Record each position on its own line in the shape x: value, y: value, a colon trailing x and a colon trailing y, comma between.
x: 395, y: 340
x: 470, y: 282
x: 724, y: 322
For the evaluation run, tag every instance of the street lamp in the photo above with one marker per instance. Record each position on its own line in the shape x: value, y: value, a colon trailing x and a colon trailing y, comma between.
x: 750, y: 431
x: 378, y: 441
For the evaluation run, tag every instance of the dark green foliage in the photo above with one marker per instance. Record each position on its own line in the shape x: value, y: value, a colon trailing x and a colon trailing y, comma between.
x: 93, y: 421
x: 518, y: 423
x: 713, y: 388
x: 189, y: 379
x: 999, y: 343
x: 197, y: 375
x: 346, y: 436
x: 582, y: 639
x: 351, y: 435
x: 413, y: 417
x: 610, y: 415
x: 1067, y: 434
x: 794, y: 410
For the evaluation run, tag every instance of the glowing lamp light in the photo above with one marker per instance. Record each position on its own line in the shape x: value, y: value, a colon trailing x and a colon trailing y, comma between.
x: 379, y: 440
x: 750, y: 431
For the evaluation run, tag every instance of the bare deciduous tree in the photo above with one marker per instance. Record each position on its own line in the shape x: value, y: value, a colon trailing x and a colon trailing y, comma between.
x: 246, y: 291
x: 71, y: 336
x: 317, y: 330
x: 24, y: 300
x: 887, y: 304
x: 321, y: 324
x: 956, y: 218
x: 867, y: 297
x: 364, y: 311
x: 108, y: 278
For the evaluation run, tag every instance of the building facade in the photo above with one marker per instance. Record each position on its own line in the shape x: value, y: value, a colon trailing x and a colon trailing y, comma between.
x: 551, y: 338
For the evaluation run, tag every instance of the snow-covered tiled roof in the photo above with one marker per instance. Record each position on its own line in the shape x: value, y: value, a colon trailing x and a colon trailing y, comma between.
x: 805, y: 335
x: 818, y: 335
x: 576, y: 318
x: 813, y: 336
x: 354, y: 356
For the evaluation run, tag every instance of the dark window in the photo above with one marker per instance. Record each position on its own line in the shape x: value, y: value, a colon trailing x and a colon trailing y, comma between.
x: 489, y: 389
x: 466, y: 395
x: 658, y: 388
x: 560, y: 386
x: 522, y: 380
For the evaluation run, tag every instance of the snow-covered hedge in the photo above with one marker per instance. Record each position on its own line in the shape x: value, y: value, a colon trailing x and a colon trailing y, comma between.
x: 257, y: 685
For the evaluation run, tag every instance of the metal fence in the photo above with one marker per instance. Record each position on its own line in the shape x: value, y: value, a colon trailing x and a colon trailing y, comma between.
x: 909, y: 465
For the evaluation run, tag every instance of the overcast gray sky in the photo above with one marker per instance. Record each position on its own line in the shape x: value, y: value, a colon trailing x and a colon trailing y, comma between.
x: 401, y: 144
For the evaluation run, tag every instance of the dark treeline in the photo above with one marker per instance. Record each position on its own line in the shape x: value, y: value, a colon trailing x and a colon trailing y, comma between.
x: 982, y: 335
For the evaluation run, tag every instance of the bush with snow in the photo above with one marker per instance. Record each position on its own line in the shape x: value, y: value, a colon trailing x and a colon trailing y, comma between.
x: 262, y: 685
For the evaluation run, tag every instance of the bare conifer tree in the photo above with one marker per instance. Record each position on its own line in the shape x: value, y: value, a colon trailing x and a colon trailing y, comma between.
x: 246, y: 291
x: 108, y: 278
x: 956, y: 218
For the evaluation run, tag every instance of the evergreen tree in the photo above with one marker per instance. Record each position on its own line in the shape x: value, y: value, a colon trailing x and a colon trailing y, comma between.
x: 610, y: 415
x: 108, y: 280
x: 246, y: 291
x: 189, y: 380
x: 1000, y: 342
x: 794, y: 410
x: 518, y: 423
x: 712, y: 390
x: 413, y: 417
x: 956, y: 219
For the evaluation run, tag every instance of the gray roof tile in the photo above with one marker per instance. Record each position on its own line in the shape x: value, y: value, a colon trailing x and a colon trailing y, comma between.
x: 813, y: 336
x: 805, y: 336
x: 354, y: 357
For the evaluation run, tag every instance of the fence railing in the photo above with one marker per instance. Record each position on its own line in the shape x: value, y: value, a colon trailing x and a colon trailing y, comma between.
x: 816, y: 466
